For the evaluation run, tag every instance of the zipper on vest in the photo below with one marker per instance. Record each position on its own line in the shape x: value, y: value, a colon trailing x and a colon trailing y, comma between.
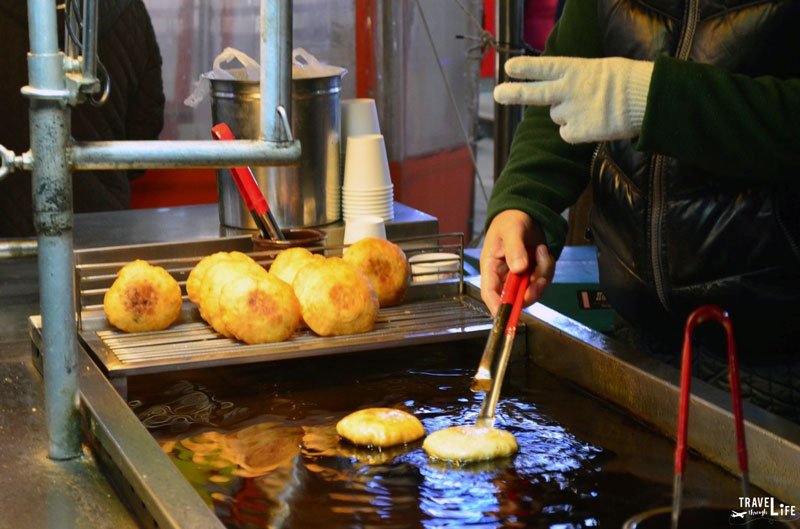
x: 595, y: 154
x: 658, y: 187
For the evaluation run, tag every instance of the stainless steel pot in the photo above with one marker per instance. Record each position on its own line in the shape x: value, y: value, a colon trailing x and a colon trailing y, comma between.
x: 300, y: 195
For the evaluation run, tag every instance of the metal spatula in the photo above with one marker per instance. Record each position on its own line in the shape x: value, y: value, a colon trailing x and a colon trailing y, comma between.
x: 495, y: 378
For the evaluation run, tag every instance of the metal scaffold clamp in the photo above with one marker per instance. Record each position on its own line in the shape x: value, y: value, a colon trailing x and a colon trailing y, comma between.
x: 10, y: 162
x: 6, y: 162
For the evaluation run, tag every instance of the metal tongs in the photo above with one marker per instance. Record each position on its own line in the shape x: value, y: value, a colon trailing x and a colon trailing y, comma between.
x: 251, y: 194
x: 701, y: 315
x: 489, y: 377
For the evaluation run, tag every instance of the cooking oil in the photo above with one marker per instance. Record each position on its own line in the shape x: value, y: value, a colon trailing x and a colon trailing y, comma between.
x: 259, y: 445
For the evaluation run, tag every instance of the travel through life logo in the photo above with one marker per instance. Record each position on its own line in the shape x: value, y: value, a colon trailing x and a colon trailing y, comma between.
x: 752, y: 508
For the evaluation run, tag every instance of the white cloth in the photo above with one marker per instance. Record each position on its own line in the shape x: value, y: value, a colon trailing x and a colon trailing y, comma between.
x: 591, y: 99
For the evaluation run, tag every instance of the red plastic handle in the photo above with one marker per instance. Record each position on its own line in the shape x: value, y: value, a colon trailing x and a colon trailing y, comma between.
x: 516, y: 308
x: 243, y: 176
x: 510, y: 288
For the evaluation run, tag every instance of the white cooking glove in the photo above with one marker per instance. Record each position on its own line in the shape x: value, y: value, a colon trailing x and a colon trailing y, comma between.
x: 591, y: 99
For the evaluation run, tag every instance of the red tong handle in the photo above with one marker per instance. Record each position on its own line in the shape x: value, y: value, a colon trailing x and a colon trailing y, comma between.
x: 243, y: 176
x: 510, y: 287
x: 700, y: 315
x: 507, y: 297
x: 519, y: 297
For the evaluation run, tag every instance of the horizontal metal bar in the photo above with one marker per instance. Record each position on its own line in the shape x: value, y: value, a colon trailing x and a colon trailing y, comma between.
x: 10, y: 248
x: 180, y: 153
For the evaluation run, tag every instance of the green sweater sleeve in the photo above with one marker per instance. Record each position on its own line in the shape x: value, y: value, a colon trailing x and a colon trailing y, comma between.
x: 731, y: 125
x: 545, y: 175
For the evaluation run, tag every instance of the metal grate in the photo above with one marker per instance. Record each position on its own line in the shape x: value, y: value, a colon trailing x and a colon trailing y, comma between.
x: 96, y: 268
x: 437, y: 311
x: 195, y: 344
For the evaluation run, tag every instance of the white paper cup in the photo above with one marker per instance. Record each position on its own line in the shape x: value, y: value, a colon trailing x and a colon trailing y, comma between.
x: 381, y: 192
x: 367, y: 167
x: 359, y: 116
x: 350, y: 211
x: 367, y: 207
x: 434, y: 266
x: 356, y: 205
x: 357, y: 228
x: 385, y: 215
x: 365, y: 211
x: 386, y: 199
x: 381, y: 206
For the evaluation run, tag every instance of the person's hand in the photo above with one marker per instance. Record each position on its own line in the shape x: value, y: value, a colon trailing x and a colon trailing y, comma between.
x: 513, y: 242
x: 591, y: 99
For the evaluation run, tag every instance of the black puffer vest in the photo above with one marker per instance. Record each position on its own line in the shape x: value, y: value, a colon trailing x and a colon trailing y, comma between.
x: 671, y: 237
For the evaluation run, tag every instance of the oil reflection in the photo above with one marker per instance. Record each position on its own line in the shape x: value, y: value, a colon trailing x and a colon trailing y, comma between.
x: 271, y: 457
x: 499, y: 493
x: 187, y: 404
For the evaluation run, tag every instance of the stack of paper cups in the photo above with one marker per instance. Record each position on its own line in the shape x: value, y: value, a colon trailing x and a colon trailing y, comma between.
x: 359, y: 117
x: 367, y: 189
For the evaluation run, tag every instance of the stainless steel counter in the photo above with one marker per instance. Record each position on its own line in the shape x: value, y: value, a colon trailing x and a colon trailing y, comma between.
x: 36, y: 492
x: 202, y: 222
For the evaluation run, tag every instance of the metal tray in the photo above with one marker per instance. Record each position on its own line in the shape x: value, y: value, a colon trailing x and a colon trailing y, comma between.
x: 432, y: 312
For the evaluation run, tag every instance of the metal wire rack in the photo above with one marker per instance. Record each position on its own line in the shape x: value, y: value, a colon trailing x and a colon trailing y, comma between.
x: 435, y: 310
x: 96, y: 268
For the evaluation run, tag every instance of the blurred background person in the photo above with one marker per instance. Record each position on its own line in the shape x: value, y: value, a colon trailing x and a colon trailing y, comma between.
x: 134, y: 110
x: 540, y: 16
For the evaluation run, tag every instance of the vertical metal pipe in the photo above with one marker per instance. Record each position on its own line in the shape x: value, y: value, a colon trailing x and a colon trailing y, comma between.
x: 89, y: 39
x: 509, y: 16
x: 70, y: 27
x: 52, y: 217
x: 276, y: 66
x: 40, y: 20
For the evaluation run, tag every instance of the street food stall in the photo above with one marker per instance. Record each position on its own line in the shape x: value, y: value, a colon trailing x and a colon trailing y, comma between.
x: 252, y: 440
x: 194, y: 424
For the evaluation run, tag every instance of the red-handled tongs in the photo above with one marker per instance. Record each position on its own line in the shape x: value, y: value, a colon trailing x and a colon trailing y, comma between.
x: 482, y: 381
x: 700, y: 315
x: 506, y: 320
x: 251, y: 194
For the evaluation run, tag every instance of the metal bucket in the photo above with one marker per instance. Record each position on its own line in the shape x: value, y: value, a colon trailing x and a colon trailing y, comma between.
x: 703, y: 517
x: 300, y: 195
